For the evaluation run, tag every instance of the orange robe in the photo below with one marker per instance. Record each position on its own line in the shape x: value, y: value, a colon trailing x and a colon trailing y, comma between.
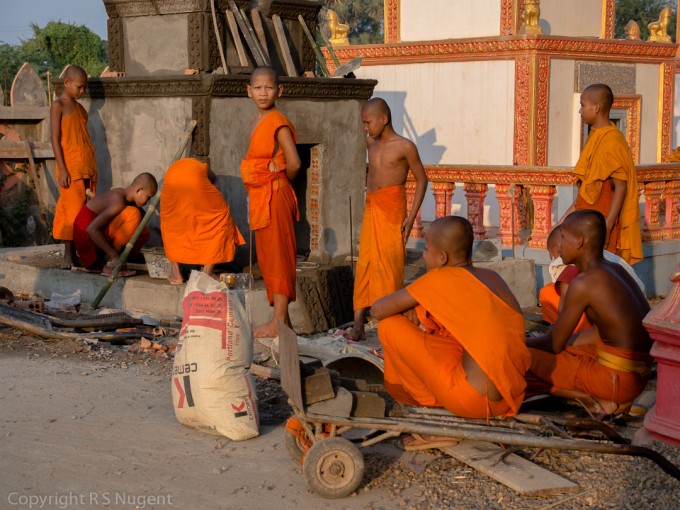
x: 607, y: 155
x: 605, y: 372
x: 549, y: 298
x: 382, y: 254
x: 82, y: 168
x: 118, y: 233
x: 272, y: 206
x: 459, y: 313
x: 196, y: 222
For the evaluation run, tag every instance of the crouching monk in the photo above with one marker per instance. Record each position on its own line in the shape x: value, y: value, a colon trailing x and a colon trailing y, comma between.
x: 469, y: 354
x: 613, y: 370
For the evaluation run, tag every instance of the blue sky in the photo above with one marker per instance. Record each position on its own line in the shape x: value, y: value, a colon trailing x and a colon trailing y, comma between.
x: 17, y: 15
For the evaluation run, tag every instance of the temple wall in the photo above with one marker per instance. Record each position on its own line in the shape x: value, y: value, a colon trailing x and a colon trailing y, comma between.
x: 647, y: 85
x: 574, y: 18
x: 448, y: 19
x: 151, y: 45
x: 561, y: 123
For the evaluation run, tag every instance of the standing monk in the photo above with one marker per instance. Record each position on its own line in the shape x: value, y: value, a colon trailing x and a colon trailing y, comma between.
x: 385, y: 228
x: 196, y: 222
x: 271, y: 163
x: 74, y: 153
x: 613, y: 370
x: 607, y: 181
x: 460, y: 343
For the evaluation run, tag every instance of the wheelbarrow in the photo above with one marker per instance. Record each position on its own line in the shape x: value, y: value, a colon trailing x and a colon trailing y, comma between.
x: 333, y: 465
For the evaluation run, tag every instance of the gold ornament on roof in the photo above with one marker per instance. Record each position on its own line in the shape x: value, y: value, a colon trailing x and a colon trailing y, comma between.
x: 658, y: 30
x: 529, y: 18
x: 338, y: 30
x: 632, y: 31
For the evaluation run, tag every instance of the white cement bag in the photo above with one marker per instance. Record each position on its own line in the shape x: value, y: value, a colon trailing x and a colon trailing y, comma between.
x: 212, y: 389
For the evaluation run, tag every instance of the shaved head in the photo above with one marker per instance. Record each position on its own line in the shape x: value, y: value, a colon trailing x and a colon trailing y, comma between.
x: 452, y: 234
x: 73, y: 72
x: 590, y: 224
x: 601, y: 94
x: 147, y: 181
x: 378, y: 106
x: 553, y: 238
x: 265, y: 70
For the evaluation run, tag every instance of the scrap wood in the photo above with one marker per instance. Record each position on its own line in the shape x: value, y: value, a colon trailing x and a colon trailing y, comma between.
x: 321, y: 60
x: 265, y: 372
x: 240, y: 50
x: 248, y: 35
x: 284, y: 50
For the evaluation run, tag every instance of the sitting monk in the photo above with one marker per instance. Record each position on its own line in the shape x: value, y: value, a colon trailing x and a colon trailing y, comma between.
x: 610, y: 373
x: 469, y: 355
x: 196, y: 222
x: 107, y: 223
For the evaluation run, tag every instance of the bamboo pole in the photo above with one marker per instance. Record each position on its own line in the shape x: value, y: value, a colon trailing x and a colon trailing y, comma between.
x: 149, y: 212
x: 319, y: 56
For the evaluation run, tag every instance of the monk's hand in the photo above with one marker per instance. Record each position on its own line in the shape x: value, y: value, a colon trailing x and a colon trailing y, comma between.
x: 64, y: 180
x: 406, y: 228
x: 412, y: 316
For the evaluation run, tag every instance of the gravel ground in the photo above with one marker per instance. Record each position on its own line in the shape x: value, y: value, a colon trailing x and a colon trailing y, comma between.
x: 424, y: 480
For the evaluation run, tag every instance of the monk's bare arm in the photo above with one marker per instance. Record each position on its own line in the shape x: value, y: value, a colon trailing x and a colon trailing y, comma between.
x: 284, y: 137
x: 416, y: 167
x: 392, y: 304
x: 94, y: 229
x: 616, y: 206
x: 56, y: 112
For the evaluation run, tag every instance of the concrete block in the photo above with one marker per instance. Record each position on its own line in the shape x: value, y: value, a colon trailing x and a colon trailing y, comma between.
x: 487, y: 250
x: 520, y: 276
x: 368, y: 405
x: 317, y: 387
x: 340, y: 406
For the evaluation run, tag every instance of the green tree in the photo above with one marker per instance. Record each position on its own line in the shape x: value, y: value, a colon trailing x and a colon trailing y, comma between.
x: 10, y: 62
x: 643, y: 12
x: 364, y: 17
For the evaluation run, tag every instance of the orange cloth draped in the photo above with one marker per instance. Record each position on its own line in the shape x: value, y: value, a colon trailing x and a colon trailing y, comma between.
x: 607, y: 155
x: 81, y: 164
x: 590, y: 368
x: 272, y: 206
x: 382, y: 254
x: 196, y: 222
x: 118, y: 233
x: 550, y: 301
x: 425, y: 367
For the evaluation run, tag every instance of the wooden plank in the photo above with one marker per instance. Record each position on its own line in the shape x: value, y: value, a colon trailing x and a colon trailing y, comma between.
x: 233, y: 29
x: 259, y: 30
x: 253, y: 37
x: 290, y: 365
x: 320, y: 59
x: 252, y: 44
x: 16, y: 150
x: 519, y: 474
x: 37, y: 113
x: 284, y: 49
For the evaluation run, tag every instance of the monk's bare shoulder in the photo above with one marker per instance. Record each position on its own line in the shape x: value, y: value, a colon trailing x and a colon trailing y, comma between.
x: 498, y: 286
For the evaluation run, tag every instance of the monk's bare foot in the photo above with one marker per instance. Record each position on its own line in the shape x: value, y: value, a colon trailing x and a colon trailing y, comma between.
x: 175, y: 282
x: 268, y: 330
x: 67, y: 262
x: 414, y: 442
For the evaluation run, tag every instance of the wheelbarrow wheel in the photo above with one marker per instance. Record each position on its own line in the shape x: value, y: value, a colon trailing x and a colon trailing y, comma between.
x: 333, y: 467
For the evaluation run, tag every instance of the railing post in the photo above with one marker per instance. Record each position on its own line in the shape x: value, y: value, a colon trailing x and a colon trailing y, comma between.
x: 652, y: 230
x: 542, y: 197
x: 505, y: 204
x: 443, y: 195
x: 417, y: 230
x: 475, y: 193
x: 672, y: 227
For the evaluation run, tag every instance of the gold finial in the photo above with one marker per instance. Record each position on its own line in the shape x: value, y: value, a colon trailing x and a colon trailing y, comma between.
x: 658, y: 30
x: 529, y: 18
x: 338, y: 30
x: 632, y: 31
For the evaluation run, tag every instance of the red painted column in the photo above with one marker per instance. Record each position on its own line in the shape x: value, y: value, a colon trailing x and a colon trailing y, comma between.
x: 417, y: 230
x: 672, y: 228
x: 542, y: 197
x: 652, y: 230
x: 443, y: 195
x: 505, y: 204
x: 475, y: 193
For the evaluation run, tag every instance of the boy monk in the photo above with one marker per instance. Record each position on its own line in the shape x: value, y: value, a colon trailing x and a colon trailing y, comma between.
x: 271, y: 163
x: 606, y: 176
x: 107, y: 223
x: 471, y: 357
x: 385, y: 228
x: 196, y: 222
x: 614, y: 370
x: 74, y: 153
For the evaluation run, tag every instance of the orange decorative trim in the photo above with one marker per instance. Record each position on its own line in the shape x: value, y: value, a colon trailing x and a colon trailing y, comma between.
x: 608, y: 18
x: 632, y: 105
x: 494, y: 48
x: 541, y: 111
x: 392, y: 21
x: 508, y: 17
x: 524, y: 67
x: 666, y: 93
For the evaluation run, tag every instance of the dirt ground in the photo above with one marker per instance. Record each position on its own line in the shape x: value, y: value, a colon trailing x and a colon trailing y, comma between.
x: 93, y: 427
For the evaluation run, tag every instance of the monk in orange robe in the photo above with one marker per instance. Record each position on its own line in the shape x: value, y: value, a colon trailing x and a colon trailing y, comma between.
x: 74, y: 153
x: 386, y: 227
x: 471, y: 357
x: 271, y: 163
x: 107, y: 223
x: 606, y: 176
x: 610, y: 373
x: 196, y: 222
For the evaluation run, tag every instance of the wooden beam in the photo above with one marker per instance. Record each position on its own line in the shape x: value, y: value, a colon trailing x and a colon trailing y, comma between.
x: 284, y: 49
x: 233, y: 29
x: 250, y: 40
x: 16, y: 150
x: 37, y: 113
x: 259, y: 30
